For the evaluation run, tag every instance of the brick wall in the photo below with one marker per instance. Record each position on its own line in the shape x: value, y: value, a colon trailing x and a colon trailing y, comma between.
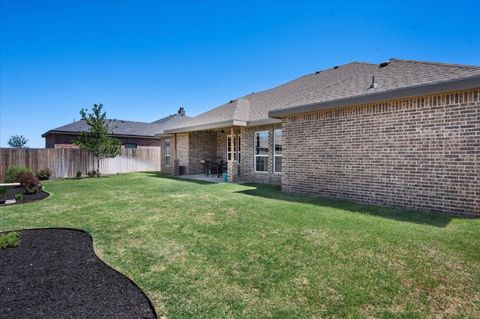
x: 182, y: 150
x: 212, y: 144
x: 419, y: 153
x: 247, y: 169
x: 201, y: 145
x: 181, y: 143
x: 60, y: 140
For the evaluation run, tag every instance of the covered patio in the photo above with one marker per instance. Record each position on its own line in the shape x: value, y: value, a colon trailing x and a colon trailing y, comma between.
x: 203, y: 178
x: 205, y: 154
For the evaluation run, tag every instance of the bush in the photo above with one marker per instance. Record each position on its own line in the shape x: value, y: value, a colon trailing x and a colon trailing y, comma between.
x: 10, y: 239
x: 18, y: 196
x: 79, y: 174
x: 44, y: 174
x: 13, y: 171
x: 29, y: 182
x: 3, y: 190
x: 92, y: 173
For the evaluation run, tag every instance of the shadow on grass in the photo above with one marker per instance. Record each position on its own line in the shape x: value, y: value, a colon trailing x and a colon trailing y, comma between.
x: 180, y: 179
x: 399, y: 214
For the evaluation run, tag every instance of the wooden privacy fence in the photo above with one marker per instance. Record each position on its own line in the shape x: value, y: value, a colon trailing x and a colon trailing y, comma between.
x: 65, y: 162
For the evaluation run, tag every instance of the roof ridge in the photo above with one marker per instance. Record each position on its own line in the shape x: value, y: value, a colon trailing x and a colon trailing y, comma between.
x: 464, y: 66
x: 310, y: 74
x: 325, y: 87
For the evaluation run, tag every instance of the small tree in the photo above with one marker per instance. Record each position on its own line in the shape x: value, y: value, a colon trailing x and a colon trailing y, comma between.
x: 97, y: 139
x: 17, y: 141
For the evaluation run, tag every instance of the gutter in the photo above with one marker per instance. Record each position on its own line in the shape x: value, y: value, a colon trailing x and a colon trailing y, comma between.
x: 412, y: 91
x: 78, y: 133
x: 206, y: 126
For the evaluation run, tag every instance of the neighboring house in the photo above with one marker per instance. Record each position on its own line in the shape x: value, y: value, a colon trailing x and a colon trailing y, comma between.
x: 400, y: 133
x: 131, y: 134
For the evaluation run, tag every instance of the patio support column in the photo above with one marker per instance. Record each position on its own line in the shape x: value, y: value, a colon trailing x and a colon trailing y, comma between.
x: 176, y: 161
x: 232, y: 164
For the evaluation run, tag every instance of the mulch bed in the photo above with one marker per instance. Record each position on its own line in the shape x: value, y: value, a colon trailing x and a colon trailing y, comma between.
x: 54, y: 273
x: 11, y: 192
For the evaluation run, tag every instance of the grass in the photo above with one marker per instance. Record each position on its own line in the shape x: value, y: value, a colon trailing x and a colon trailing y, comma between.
x: 10, y: 239
x: 228, y: 251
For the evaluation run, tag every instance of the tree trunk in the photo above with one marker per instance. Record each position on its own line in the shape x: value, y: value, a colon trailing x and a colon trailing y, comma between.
x: 98, y: 166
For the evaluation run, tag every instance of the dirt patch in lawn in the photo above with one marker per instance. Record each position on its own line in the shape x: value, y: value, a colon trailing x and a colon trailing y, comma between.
x: 54, y: 273
x: 25, y: 197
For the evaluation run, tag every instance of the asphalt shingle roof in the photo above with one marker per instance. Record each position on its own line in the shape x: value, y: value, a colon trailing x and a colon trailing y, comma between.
x: 130, y: 128
x: 349, y: 80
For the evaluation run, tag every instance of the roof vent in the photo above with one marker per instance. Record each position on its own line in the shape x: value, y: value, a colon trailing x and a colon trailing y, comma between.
x: 384, y: 64
x: 181, y: 111
x: 336, y: 67
x: 374, y: 84
x: 231, y: 101
x: 318, y: 72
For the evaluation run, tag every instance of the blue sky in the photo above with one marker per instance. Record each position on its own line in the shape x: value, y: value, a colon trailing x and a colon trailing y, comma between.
x: 144, y: 59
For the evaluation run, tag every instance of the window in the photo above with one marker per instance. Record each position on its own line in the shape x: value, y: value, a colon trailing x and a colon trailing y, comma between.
x: 229, y: 148
x: 277, y: 151
x: 261, y: 151
x: 130, y: 145
x: 167, y: 152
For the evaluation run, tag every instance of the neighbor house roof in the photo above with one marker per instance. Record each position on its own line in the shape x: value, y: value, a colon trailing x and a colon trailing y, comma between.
x: 125, y: 128
x: 337, y: 84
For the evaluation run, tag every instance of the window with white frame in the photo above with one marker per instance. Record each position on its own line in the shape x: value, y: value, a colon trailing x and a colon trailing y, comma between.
x: 261, y: 151
x: 130, y: 145
x: 277, y: 151
x: 237, y: 148
x: 167, y: 152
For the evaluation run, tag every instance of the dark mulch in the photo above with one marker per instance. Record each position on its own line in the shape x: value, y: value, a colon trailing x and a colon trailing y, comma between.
x: 54, y: 273
x: 11, y: 192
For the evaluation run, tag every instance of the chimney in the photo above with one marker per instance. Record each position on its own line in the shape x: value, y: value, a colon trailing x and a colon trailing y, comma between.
x: 181, y: 111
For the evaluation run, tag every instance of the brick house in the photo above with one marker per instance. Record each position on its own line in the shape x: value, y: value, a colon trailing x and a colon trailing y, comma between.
x: 131, y: 134
x: 400, y: 133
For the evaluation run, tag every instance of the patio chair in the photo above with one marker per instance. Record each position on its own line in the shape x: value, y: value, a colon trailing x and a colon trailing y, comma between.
x: 206, y: 167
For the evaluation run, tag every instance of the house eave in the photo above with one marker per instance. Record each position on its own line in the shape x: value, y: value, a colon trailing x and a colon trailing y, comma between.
x: 412, y: 91
x: 267, y: 121
x: 207, y: 126
x: 114, y: 135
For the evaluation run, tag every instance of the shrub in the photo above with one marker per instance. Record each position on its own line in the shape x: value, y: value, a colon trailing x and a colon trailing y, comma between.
x: 44, y: 174
x: 79, y: 174
x: 30, y: 182
x: 18, y: 196
x: 92, y: 173
x: 13, y: 171
x: 10, y: 239
x: 3, y: 190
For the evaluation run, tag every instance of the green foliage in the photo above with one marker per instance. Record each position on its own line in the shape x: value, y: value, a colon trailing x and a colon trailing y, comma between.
x: 13, y: 171
x: 29, y: 182
x: 92, y: 173
x: 79, y: 174
x: 210, y: 250
x: 18, y: 196
x: 44, y: 174
x: 11, y: 239
x: 3, y: 190
x: 97, y: 139
x: 17, y: 141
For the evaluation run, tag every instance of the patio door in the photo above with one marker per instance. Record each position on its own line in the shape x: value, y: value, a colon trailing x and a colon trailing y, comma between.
x: 238, y: 151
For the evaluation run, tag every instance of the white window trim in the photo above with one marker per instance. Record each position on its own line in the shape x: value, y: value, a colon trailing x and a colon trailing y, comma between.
x: 276, y: 155
x: 237, y: 148
x: 255, y: 150
x: 169, y: 155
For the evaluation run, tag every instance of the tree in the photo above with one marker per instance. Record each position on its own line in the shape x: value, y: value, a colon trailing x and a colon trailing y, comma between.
x: 97, y: 139
x: 17, y: 141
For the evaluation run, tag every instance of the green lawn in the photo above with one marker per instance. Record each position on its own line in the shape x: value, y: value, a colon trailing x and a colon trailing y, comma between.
x: 229, y: 251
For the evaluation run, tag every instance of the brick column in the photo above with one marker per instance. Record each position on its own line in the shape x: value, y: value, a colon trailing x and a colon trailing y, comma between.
x: 232, y: 170
x: 176, y: 163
